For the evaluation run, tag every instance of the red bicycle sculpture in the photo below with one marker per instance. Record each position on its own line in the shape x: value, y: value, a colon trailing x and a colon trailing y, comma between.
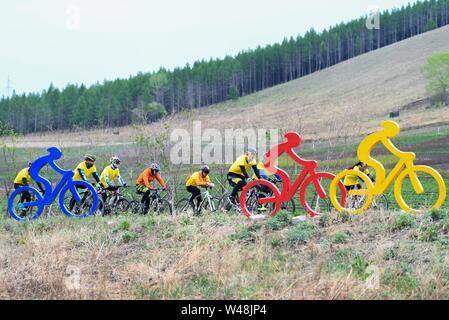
x: 277, y: 197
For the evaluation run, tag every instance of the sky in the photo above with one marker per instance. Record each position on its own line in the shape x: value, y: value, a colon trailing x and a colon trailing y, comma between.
x: 88, y: 41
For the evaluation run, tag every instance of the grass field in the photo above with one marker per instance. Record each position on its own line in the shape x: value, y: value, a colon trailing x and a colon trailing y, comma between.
x: 382, y: 255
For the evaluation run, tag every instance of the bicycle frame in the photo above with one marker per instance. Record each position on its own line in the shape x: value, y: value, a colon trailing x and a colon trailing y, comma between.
x: 382, y: 186
x: 288, y: 190
x: 50, y: 195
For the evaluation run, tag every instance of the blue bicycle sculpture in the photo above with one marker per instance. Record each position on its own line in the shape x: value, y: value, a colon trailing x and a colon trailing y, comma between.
x: 85, y: 202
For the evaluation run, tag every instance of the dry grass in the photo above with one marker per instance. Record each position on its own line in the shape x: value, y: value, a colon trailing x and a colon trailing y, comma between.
x: 225, y: 257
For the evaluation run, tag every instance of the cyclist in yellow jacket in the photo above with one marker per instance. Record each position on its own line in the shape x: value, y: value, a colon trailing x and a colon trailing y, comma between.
x: 109, y: 175
x: 86, y: 169
x: 83, y: 171
x: 23, y: 179
x: 238, y: 172
x: 351, y: 181
x: 194, y: 182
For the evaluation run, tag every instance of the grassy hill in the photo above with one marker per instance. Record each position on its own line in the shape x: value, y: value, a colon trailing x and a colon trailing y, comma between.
x: 382, y: 255
x: 350, y: 98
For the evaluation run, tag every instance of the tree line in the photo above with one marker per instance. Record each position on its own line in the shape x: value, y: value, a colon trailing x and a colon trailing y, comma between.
x: 146, y: 97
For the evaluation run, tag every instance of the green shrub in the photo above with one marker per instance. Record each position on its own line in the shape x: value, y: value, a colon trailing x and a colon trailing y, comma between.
x: 437, y: 214
x: 402, y: 221
x: 242, y: 234
x: 281, y: 220
x: 390, y: 253
x: 359, y: 266
x: 341, y: 237
x: 323, y: 220
x: 428, y: 233
x: 301, y: 233
x: 122, y: 226
x: 128, y: 236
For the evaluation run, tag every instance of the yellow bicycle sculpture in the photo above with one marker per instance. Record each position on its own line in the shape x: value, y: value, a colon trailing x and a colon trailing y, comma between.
x: 404, y: 168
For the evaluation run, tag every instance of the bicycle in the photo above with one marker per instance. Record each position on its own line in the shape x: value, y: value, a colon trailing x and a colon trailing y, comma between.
x: 65, y: 184
x: 256, y: 193
x: 209, y: 203
x: 157, y: 204
x: 404, y: 168
x: 26, y: 211
x: 379, y: 202
x: 308, y: 176
x: 115, y: 202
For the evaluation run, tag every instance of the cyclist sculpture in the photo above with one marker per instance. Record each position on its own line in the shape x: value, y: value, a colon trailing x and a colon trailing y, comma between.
x: 405, y: 167
x: 65, y: 184
x: 288, y: 189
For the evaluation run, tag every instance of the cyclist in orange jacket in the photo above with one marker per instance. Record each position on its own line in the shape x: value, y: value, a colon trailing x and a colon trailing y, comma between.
x: 143, y: 183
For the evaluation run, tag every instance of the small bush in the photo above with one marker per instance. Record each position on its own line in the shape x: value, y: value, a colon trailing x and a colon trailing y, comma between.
x: 275, y: 242
x: 122, y: 226
x: 341, y: 237
x: 281, y: 220
x: 242, y: 234
x: 429, y: 234
x: 359, y: 266
x: 149, y: 222
x: 128, y: 236
x: 324, y: 219
x: 301, y: 233
x: 437, y: 214
x: 402, y: 221
x: 390, y: 253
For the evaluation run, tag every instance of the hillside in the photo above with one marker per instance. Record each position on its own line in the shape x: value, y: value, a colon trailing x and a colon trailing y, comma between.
x: 224, y: 257
x: 351, y: 97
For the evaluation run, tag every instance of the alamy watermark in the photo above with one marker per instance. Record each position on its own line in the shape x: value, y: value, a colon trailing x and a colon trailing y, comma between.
x: 73, y: 17
x: 373, y: 280
x: 72, y: 279
x: 213, y: 146
x: 373, y: 18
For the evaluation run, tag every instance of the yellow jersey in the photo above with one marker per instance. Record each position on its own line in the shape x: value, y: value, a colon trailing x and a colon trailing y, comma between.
x: 197, y: 179
x: 242, y: 161
x: 24, y: 173
x: 264, y: 170
x: 352, y: 180
x: 87, y: 171
x: 109, y: 175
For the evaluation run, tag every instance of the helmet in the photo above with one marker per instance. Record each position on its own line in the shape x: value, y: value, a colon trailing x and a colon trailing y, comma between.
x: 251, y: 150
x: 154, y: 166
x: 89, y: 157
x: 115, y: 160
x: 205, y: 169
x: 391, y: 128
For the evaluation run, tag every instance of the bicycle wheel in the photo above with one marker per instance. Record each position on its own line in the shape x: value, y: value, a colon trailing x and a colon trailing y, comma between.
x: 28, y: 210
x: 136, y: 207
x: 250, y: 199
x: 313, y: 196
x: 161, y: 206
x: 426, y: 192
x: 380, y: 203
x: 226, y: 205
x: 211, y: 206
x: 352, y: 196
x: 121, y: 206
x: 82, y: 208
x: 87, y: 203
x: 183, y: 206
